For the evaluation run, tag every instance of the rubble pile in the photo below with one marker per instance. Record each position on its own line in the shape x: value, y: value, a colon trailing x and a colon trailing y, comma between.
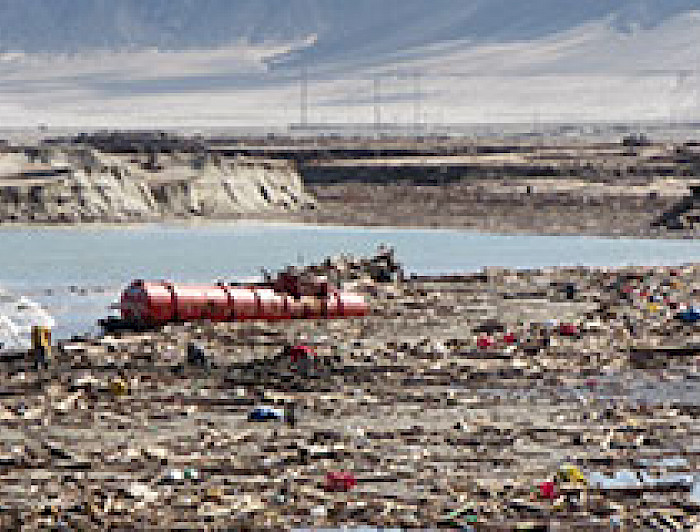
x: 381, y: 268
x: 504, y: 400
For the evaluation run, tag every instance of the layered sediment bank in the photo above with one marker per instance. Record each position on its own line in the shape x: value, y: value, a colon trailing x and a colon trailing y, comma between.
x: 548, y: 399
x: 69, y: 184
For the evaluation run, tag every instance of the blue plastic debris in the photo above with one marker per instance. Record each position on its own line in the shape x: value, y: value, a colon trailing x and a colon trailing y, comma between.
x: 264, y: 413
x: 690, y: 315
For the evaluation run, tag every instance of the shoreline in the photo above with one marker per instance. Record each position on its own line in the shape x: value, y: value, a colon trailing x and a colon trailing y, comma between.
x: 285, y: 221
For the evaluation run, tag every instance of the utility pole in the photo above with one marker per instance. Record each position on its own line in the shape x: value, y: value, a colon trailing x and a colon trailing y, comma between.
x: 675, y: 89
x: 304, y: 98
x: 677, y: 97
x: 377, y: 104
x: 417, y: 102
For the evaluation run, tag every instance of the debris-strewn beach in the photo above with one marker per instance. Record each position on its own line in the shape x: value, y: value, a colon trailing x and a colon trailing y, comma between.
x: 539, y: 400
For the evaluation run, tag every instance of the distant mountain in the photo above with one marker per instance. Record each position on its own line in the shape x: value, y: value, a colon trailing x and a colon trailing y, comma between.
x: 342, y: 27
x: 371, y: 33
x: 224, y: 62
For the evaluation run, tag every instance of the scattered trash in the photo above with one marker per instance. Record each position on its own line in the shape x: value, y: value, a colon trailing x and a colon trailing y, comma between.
x: 196, y: 355
x: 340, y: 481
x: 462, y: 518
x: 548, y: 490
x: 264, y: 413
x: 190, y: 474
x: 290, y: 416
x: 319, y: 511
x: 569, y: 329
x: 690, y: 315
x: 299, y: 353
x: 510, y: 338
x: 174, y: 475
x: 571, y: 473
x: 118, y: 387
x: 484, y: 342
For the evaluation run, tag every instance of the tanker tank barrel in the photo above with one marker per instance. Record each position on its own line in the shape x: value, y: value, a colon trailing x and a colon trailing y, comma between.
x: 290, y: 296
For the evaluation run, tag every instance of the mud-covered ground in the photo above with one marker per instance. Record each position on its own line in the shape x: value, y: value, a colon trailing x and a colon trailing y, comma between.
x: 456, y: 394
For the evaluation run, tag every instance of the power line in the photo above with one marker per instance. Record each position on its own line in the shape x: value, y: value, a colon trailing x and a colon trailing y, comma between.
x: 417, y: 101
x: 377, y: 104
x: 304, y: 98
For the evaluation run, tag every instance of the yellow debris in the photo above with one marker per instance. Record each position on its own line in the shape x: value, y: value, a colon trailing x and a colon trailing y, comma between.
x: 571, y: 473
x: 118, y: 387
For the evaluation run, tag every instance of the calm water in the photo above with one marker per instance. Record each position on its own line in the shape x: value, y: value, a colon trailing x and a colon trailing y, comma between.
x: 57, y: 258
x: 108, y: 256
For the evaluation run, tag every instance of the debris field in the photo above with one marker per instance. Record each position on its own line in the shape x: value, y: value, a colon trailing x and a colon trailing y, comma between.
x: 500, y: 400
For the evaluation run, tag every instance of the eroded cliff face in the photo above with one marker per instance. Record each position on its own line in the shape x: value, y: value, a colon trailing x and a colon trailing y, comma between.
x: 84, y: 185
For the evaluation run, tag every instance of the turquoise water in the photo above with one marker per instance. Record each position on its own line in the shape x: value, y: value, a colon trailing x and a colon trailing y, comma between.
x: 34, y: 259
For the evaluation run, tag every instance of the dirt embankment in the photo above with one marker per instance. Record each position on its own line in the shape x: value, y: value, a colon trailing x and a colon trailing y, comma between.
x: 630, y: 188
x: 492, y: 206
x: 580, y: 188
x: 76, y: 185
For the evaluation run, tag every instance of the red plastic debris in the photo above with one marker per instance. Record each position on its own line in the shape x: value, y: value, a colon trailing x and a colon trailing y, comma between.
x: 340, y: 481
x: 510, y: 338
x: 301, y: 352
x: 568, y: 329
x: 302, y: 357
x: 484, y: 342
x: 548, y: 490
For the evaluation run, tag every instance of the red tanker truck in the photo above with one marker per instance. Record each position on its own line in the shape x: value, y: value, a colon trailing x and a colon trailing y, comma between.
x: 289, y: 297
